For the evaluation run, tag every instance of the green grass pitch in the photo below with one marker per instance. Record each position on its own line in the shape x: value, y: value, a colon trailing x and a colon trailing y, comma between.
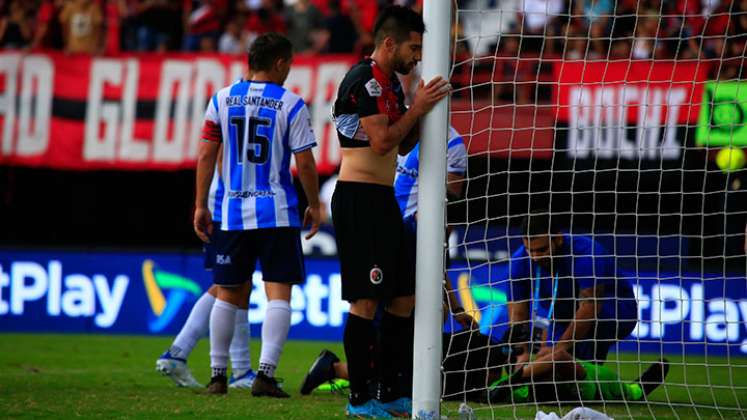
x: 64, y: 376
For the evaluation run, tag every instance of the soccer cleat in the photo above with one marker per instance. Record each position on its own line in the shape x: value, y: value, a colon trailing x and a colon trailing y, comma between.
x: 264, y: 386
x: 653, y: 376
x: 401, y: 407
x: 244, y: 381
x: 176, y: 369
x: 321, y: 371
x: 371, y: 409
x: 334, y: 386
x: 218, y: 385
x: 501, y: 390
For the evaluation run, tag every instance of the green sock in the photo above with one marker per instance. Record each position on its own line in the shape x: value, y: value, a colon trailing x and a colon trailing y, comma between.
x: 608, y: 383
x: 520, y: 393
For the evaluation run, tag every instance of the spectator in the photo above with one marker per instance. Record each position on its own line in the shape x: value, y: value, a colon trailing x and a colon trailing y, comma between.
x: 363, y: 13
x: 264, y: 19
x: 620, y: 49
x: 48, y: 31
x: 596, y: 10
x: 305, y: 24
x: 645, y: 35
x: 203, y: 22
x: 15, y: 29
x: 483, y: 20
x: 539, y: 19
x: 513, y: 76
x: 159, y: 24
x: 577, y: 44
x: 81, y: 25
x: 233, y: 40
x: 207, y: 44
x: 340, y: 30
x: 128, y: 25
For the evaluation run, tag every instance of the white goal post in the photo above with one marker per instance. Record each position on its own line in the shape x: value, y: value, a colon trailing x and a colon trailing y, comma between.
x: 431, y: 218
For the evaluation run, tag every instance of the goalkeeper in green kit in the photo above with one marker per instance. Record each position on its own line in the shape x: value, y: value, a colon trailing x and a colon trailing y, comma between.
x: 559, y: 377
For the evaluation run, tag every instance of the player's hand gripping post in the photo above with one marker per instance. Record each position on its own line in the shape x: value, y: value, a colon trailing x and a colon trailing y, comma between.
x: 428, y: 95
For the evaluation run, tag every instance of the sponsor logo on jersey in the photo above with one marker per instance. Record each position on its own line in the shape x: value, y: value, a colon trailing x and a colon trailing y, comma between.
x: 167, y: 293
x: 401, y: 169
x: 373, y: 87
x: 376, y: 275
x: 251, y: 194
x: 222, y: 259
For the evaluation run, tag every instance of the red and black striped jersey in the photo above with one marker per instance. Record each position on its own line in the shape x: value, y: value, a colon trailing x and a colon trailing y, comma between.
x: 365, y: 91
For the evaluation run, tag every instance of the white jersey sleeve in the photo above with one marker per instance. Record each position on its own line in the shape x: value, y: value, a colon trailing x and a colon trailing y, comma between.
x: 456, y: 159
x: 301, y: 134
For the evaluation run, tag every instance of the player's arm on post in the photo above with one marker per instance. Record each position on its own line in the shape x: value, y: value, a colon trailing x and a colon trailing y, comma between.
x: 207, y: 155
x: 384, y: 137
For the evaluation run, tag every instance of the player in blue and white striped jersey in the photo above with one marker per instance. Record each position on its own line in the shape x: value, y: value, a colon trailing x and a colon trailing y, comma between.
x: 260, y: 126
x: 406, y: 181
x: 406, y: 193
x: 173, y: 362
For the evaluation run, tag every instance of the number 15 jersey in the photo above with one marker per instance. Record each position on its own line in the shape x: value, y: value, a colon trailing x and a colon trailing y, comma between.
x: 260, y: 125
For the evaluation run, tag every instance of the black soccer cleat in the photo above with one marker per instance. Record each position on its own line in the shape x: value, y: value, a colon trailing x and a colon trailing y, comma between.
x: 501, y: 391
x: 265, y: 386
x: 218, y: 385
x: 653, y: 376
x: 321, y: 371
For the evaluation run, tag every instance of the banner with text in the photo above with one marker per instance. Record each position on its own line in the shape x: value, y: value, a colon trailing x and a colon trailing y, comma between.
x: 135, y: 111
x: 152, y: 293
x: 627, y: 110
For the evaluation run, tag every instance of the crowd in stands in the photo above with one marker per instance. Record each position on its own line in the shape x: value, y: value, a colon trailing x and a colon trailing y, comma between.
x: 226, y: 26
x: 516, y: 42
x: 508, y: 44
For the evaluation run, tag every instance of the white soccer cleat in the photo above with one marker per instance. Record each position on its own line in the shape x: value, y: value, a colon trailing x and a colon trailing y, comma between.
x: 244, y: 381
x: 176, y: 370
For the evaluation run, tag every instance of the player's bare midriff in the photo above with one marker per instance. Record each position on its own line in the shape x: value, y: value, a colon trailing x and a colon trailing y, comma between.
x: 364, y: 165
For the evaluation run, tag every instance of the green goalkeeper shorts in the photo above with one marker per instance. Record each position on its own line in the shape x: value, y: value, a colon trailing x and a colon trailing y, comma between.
x: 600, y: 383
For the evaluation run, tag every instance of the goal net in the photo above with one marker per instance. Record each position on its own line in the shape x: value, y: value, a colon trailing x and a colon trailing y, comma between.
x: 622, y: 122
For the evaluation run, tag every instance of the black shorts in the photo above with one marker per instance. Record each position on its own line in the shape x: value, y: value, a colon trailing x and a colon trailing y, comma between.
x: 371, y: 242
x: 208, y: 249
x: 278, y: 250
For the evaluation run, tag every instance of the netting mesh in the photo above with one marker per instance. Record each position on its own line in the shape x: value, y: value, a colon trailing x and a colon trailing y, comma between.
x: 622, y: 122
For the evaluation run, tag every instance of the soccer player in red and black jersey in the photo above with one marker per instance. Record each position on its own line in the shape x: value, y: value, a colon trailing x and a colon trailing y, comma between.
x: 373, y: 126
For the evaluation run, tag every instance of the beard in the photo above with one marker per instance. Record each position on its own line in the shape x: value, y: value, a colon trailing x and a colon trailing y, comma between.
x: 403, y: 67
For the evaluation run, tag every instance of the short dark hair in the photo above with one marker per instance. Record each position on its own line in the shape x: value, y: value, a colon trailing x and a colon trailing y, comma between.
x: 539, y: 223
x: 268, y: 48
x: 397, y: 22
